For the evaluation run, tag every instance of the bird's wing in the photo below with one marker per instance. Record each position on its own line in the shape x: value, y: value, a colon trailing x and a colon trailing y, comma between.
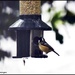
x: 46, y: 44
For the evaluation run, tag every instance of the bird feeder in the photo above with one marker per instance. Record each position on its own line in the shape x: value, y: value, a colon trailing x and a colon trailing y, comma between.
x: 27, y: 28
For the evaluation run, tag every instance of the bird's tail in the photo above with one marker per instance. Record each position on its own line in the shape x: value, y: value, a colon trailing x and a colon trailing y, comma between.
x: 56, y: 53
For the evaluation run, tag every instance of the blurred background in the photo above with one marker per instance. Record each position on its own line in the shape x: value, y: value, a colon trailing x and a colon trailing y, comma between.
x: 60, y: 16
x: 9, y: 13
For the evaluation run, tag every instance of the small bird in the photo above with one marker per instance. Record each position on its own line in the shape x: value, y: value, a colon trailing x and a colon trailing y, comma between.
x: 44, y: 46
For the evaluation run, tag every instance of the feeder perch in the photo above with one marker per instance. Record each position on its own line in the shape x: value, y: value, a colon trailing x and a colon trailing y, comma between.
x: 27, y: 28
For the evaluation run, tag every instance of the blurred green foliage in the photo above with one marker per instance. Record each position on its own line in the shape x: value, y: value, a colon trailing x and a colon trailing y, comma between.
x: 59, y: 19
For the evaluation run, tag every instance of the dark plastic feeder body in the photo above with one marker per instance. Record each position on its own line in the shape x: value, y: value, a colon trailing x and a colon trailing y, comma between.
x: 27, y: 28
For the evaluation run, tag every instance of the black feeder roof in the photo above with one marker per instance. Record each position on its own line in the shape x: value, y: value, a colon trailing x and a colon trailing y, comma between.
x: 30, y: 22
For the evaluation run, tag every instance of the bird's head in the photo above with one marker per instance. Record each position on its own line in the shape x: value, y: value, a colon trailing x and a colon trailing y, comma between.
x: 37, y: 40
x: 41, y: 40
